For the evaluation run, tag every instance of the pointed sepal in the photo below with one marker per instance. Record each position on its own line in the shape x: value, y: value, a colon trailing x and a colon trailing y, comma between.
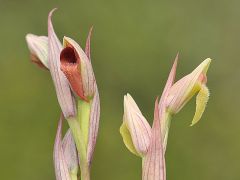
x: 65, y: 98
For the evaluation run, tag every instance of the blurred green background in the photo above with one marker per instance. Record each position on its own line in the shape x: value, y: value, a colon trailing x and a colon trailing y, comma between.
x: 133, y: 46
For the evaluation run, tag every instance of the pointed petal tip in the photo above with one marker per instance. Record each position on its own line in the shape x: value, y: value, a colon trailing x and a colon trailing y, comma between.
x: 29, y: 36
x: 170, y: 81
x: 51, y: 12
x: 175, y: 62
x: 205, y: 65
x: 50, y: 26
x: 207, y: 61
x: 156, y: 100
x: 88, y: 44
x: 177, y: 56
x: 129, y: 96
x: 90, y: 31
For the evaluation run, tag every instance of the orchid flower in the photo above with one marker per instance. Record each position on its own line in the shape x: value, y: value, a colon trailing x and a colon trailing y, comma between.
x: 76, y: 90
x: 150, y: 143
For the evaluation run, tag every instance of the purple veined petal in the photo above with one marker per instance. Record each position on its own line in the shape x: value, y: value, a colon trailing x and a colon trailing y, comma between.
x: 93, y: 125
x: 154, y: 161
x: 61, y: 168
x: 65, y: 98
x: 137, y: 125
x: 38, y: 47
x: 70, y: 151
x: 88, y: 44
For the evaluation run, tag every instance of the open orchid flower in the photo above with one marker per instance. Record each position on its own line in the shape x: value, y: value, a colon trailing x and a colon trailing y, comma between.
x: 76, y: 89
x: 78, y: 69
x: 151, y: 144
x: 184, y: 89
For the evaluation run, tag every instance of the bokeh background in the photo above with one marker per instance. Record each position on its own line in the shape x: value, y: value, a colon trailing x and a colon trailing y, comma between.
x: 133, y: 46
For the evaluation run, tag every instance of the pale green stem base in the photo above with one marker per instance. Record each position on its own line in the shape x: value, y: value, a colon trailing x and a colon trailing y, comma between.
x: 83, y: 118
x: 81, y: 147
x: 73, y: 174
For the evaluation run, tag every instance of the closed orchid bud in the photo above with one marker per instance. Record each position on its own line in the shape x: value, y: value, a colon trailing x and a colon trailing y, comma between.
x: 78, y: 69
x: 184, y: 89
x: 135, y: 130
x: 70, y: 152
x: 65, y: 155
x: 38, y: 47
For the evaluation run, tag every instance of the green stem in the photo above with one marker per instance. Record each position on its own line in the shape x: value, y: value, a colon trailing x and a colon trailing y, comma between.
x: 73, y: 174
x: 81, y: 147
x: 85, y: 173
x: 84, y: 117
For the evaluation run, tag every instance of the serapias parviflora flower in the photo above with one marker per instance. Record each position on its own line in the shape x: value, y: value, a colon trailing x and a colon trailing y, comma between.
x: 151, y: 144
x: 184, y: 89
x: 75, y: 85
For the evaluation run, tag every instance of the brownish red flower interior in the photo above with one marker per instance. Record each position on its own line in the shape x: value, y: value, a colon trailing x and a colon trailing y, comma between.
x: 71, y: 67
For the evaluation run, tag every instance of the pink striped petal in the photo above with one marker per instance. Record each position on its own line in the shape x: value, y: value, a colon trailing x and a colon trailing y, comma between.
x: 93, y: 125
x: 65, y: 98
x: 70, y: 151
x: 154, y: 161
x: 60, y: 163
x: 38, y: 47
x: 137, y: 126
